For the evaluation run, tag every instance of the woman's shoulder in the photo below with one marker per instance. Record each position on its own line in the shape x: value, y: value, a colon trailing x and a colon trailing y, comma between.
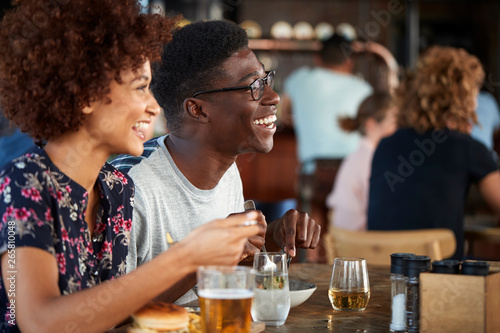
x: 115, y: 180
x: 28, y: 166
x: 462, y: 139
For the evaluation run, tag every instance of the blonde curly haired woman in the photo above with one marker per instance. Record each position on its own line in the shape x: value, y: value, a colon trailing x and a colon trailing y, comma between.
x: 421, y: 174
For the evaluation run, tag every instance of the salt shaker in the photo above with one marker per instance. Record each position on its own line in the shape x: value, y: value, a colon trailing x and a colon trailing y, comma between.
x: 398, y: 287
x: 412, y: 269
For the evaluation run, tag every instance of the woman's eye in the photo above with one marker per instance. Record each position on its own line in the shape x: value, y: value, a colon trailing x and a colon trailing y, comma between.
x: 143, y: 88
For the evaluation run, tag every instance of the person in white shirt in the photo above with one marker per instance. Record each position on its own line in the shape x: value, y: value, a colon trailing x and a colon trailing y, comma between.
x: 318, y: 96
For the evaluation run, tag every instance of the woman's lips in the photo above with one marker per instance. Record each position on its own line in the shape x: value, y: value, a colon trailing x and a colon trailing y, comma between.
x: 140, y: 128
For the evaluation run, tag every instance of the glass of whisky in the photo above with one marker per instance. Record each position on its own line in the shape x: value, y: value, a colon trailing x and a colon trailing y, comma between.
x: 349, y: 286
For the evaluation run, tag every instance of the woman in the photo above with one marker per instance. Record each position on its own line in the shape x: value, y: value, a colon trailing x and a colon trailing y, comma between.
x: 421, y: 174
x: 76, y: 74
x: 348, y: 201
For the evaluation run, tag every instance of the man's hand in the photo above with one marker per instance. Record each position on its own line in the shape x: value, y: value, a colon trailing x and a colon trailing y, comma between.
x: 292, y: 230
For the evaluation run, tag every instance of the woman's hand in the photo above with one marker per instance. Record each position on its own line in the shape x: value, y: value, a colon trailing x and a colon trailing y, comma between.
x: 255, y: 243
x: 221, y: 242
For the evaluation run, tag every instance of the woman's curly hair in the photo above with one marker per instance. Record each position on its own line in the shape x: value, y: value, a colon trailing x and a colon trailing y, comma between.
x: 57, y: 57
x: 441, y: 91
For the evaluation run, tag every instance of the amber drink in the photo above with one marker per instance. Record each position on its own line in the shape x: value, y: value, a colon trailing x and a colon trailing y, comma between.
x: 349, y: 286
x: 348, y: 300
x: 226, y: 295
x: 226, y: 310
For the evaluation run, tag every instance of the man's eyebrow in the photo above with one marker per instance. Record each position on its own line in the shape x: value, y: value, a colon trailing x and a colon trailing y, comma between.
x: 255, y: 73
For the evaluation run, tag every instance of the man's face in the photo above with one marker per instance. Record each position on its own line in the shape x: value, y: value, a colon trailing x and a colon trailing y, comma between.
x: 234, y: 116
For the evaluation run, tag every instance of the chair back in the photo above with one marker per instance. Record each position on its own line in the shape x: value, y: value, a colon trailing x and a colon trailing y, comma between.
x: 377, y: 246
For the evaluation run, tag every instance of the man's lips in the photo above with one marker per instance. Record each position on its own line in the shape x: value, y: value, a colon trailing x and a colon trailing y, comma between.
x: 267, y: 122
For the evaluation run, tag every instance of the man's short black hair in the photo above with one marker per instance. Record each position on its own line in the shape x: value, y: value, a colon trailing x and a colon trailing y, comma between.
x: 191, y: 62
x: 336, y: 50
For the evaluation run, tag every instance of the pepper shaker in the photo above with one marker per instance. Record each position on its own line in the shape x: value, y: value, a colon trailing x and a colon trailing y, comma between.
x: 412, y: 269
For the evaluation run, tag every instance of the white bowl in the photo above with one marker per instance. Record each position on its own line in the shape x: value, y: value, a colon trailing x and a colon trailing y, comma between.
x: 300, y: 291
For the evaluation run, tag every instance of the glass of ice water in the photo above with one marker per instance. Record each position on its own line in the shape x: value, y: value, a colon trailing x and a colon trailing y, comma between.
x: 272, y: 297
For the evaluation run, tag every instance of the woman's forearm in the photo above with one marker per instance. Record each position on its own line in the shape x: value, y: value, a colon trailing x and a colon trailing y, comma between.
x: 101, y: 307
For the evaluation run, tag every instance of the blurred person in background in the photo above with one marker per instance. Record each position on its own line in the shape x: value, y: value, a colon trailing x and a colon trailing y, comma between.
x: 318, y: 96
x: 80, y: 82
x: 348, y: 201
x: 488, y: 121
x: 421, y: 174
x: 13, y: 143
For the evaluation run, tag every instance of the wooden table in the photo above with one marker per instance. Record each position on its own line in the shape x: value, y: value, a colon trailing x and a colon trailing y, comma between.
x: 317, y: 314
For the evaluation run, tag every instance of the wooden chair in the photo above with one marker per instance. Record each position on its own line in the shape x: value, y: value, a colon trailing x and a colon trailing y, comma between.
x: 376, y: 246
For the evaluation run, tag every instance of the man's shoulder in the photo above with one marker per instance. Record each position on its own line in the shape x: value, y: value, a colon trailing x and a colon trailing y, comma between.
x: 125, y: 162
x: 344, y: 83
x: 356, y: 81
x: 297, y: 76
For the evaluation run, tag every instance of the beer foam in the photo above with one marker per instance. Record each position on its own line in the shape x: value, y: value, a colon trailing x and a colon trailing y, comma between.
x: 225, y: 293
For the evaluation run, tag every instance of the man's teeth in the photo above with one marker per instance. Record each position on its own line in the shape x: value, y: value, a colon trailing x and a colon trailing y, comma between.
x: 268, y: 121
x: 140, y: 125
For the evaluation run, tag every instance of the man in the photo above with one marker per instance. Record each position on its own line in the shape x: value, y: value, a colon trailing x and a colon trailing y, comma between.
x: 219, y: 103
x: 318, y: 97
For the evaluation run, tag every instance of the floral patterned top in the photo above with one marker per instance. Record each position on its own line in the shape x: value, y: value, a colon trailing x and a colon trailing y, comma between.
x: 42, y: 207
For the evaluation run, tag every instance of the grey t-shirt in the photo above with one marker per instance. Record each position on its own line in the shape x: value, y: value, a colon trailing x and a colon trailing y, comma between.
x: 165, y: 201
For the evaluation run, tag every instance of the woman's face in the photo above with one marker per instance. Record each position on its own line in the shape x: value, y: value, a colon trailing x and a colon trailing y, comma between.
x: 118, y: 127
x: 388, y: 125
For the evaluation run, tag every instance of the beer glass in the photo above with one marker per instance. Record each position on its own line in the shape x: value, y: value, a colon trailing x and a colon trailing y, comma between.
x: 225, y: 294
x: 272, y: 297
x: 349, y: 286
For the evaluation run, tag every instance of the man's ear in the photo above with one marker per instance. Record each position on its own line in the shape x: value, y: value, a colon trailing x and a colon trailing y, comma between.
x: 194, y: 108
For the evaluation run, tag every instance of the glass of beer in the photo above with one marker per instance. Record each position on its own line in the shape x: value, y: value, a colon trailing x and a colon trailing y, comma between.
x: 272, y: 297
x: 349, y: 286
x: 226, y: 294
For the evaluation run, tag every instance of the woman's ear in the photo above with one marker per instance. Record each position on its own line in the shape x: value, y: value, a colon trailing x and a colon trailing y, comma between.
x: 193, y: 107
x: 88, y: 109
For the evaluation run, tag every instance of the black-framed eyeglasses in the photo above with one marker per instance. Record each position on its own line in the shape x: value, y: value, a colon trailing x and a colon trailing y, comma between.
x: 256, y: 87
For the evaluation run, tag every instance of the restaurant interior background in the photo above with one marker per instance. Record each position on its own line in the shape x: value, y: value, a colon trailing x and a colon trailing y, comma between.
x: 405, y: 27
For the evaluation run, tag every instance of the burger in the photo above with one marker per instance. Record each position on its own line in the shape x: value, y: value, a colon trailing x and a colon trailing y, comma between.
x: 160, y: 317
